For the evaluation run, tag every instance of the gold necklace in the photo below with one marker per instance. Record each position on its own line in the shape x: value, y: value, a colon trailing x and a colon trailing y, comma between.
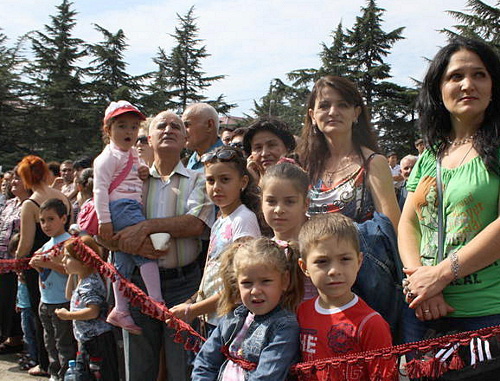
x: 460, y: 142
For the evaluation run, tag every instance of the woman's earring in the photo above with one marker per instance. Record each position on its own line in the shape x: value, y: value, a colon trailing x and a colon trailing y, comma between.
x: 315, y: 129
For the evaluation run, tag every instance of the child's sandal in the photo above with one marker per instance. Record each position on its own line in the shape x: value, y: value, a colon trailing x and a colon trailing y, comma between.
x: 30, y: 363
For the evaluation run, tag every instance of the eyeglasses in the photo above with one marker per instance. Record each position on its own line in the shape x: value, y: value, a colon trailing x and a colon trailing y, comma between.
x: 142, y: 140
x: 225, y: 154
x: 236, y: 145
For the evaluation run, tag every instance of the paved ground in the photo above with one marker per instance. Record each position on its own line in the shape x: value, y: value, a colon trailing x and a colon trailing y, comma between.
x: 9, y: 370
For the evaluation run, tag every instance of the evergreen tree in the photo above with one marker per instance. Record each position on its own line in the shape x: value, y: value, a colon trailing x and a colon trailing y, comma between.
x: 180, y: 79
x: 157, y: 95
x: 283, y: 102
x: 13, y: 130
x: 334, y: 61
x: 368, y: 46
x: 110, y: 81
x: 482, y: 22
x: 396, y: 122
x: 62, y: 123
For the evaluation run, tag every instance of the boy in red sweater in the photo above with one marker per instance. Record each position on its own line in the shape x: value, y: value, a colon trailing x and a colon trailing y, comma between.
x: 338, y: 322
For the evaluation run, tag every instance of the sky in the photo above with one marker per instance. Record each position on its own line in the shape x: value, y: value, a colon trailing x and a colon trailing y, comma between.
x: 250, y: 41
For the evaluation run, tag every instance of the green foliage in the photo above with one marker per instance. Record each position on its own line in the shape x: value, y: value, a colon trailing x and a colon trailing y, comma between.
x: 369, y: 45
x: 397, y: 119
x: 110, y: 81
x: 53, y: 107
x: 180, y: 79
x: 359, y: 54
x: 13, y: 111
x: 59, y: 123
x: 284, y: 102
x: 482, y: 22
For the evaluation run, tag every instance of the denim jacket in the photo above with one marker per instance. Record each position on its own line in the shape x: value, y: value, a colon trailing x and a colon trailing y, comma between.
x: 379, y: 278
x: 272, y: 341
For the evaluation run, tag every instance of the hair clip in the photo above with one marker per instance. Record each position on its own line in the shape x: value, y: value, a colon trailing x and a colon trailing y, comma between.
x: 285, y: 246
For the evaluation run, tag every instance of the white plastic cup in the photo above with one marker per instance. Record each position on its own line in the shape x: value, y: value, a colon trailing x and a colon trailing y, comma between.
x: 160, y: 241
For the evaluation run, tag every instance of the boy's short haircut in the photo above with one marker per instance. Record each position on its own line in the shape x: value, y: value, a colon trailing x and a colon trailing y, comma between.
x: 325, y: 226
x: 56, y: 205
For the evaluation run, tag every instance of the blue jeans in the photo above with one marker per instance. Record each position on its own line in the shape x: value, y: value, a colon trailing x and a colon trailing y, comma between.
x: 124, y: 213
x: 142, y: 351
x: 29, y: 336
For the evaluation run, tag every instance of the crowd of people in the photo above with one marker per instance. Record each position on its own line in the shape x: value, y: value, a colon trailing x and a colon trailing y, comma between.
x: 277, y: 248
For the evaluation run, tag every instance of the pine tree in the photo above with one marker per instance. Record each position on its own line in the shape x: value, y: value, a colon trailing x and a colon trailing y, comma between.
x: 396, y: 123
x: 289, y: 102
x: 157, y: 95
x: 13, y: 131
x: 283, y: 102
x: 482, y: 22
x: 334, y: 61
x: 368, y: 46
x: 110, y: 81
x: 334, y: 58
x: 181, y: 71
x: 57, y: 106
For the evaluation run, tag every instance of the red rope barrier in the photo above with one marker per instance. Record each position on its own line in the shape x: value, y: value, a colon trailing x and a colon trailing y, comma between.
x: 335, y: 368
x: 17, y: 265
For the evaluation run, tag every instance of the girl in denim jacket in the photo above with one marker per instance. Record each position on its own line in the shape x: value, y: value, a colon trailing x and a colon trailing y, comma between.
x: 264, y: 277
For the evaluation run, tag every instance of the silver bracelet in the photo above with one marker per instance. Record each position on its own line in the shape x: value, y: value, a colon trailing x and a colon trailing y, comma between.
x: 455, y: 267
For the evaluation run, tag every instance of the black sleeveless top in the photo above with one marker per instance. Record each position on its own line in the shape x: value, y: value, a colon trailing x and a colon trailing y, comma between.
x: 40, y: 236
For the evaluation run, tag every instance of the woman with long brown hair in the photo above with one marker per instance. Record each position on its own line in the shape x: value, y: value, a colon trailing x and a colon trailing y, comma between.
x: 338, y: 149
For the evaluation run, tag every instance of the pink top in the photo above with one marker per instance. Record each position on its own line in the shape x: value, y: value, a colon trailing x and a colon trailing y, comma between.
x: 232, y: 371
x: 107, y: 166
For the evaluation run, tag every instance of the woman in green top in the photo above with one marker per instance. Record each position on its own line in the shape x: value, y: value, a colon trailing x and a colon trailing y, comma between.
x: 459, y: 107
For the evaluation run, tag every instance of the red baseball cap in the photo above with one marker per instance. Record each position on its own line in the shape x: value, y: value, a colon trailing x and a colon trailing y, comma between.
x: 121, y: 107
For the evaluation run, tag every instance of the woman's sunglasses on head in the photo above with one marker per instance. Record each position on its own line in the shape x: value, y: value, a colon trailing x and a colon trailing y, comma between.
x: 225, y: 154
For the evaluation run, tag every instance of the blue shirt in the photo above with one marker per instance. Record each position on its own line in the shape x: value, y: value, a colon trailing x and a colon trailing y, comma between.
x: 194, y: 161
x: 53, y: 283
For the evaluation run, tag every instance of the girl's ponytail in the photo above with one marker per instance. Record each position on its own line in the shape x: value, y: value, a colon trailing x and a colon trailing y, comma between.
x: 295, y: 291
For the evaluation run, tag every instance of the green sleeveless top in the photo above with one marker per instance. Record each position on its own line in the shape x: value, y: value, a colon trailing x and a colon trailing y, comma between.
x: 470, y: 201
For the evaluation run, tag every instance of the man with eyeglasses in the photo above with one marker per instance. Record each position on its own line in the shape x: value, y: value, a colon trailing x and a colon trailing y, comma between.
x: 175, y: 202
x: 202, y: 125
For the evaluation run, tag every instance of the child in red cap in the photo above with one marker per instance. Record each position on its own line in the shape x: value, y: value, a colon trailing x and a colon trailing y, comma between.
x: 117, y: 198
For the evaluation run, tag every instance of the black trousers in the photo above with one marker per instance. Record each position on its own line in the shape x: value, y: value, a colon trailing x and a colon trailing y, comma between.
x: 10, y: 320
